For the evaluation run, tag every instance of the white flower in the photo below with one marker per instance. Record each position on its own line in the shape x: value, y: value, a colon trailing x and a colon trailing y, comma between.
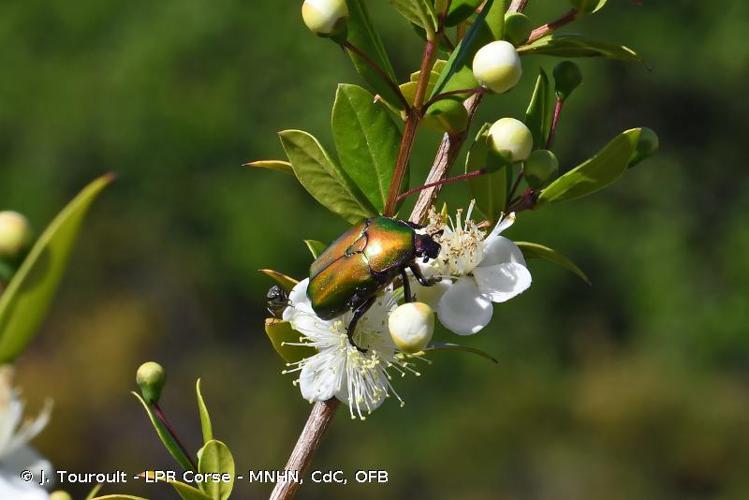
x: 477, y: 269
x: 339, y: 369
x: 15, y: 454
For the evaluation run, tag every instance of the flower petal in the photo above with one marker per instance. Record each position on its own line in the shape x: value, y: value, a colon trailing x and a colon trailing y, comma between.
x: 505, y: 222
x: 463, y: 310
x: 12, y: 486
x: 321, y: 377
x: 298, y: 301
x: 503, y: 281
x: 500, y: 250
x: 430, y: 295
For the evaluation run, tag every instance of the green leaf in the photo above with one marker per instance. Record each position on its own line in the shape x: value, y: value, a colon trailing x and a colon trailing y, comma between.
x: 277, y: 165
x: 537, y: 251
x: 571, y: 45
x: 361, y: 33
x: 315, y: 247
x: 460, y: 10
x: 216, y: 458
x: 446, y: 346
x: 596, y: 173
x: 205, y: 418
x: 119, y: 497
x: 281, y: 334
x: 94, y: 491
x: 323, y: 179
x: 367, y: 139
x: 489, y: 190
x: 590, y: 6
x: 419, y: 12
x: 25, y: 301
x: 538, y: 114
x: 286, y: 282
x: 187, y: 492
x: 166, y: 438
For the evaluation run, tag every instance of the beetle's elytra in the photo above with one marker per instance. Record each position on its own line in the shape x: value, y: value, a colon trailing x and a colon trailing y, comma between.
x: 362, y: 262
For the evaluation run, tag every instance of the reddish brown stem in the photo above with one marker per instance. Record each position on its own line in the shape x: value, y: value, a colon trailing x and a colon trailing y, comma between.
x: 452, y: 93
x: 555, y: 122
x: 412, y: 123
x: 442, y: 182
x: 548, y: 28
x: 309, y: 440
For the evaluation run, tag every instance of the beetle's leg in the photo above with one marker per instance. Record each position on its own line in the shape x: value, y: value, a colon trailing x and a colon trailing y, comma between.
x: 358, y: 313
x: 423, y: 281
x: 406, y: 287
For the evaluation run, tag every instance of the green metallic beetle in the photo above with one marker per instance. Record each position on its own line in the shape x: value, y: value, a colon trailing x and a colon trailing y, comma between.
x: 363, y: 261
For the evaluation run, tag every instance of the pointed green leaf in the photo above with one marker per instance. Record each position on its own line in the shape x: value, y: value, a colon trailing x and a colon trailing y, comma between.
x: 596, y: 173
x: 277, y: 165
x: 445, y: 346
x: 205, y: 418
x: 119, y: 497
x: 94, y: 491
x: 315, y: 247
x: 187, y: 492
x: 25, y: 301
x: 419, y: 12
x: 286, y: 282
x: 589, y: 6
x: 367, y: 138
x: 281, y: 334
x: 537, y: 251
x: 361, y: 33
x: 166, y: 438
x: 489, y: 190
x: 538, y: 114
x: 216, y: 458
x: 323, y: 178
x: 460, y: 10
x: 573, y: 45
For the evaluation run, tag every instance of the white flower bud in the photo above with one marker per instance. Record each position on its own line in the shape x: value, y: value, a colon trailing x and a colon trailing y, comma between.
x: 497, y: 66
x: 411, y: 326
x: 511, y: 139
x: 15, y: 234
x: 325, y: 17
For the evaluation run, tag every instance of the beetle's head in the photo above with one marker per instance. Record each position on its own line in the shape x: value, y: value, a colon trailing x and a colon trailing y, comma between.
x: 426, y: 247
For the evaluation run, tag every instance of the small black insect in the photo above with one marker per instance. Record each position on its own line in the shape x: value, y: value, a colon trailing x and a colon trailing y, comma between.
x: 278, y: 299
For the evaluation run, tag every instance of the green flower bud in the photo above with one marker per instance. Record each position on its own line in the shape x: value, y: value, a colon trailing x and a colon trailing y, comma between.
x: 411, y: 326
x: 567, y: 77
x: 151, y: 378
x: 497, y: 66
x: 647, y: 144
x: 15, y: 235
x: 541, y: 168
x: 60, y: 495
x: 511, y: 139
x: 326, y: 18
x: 518, y: 27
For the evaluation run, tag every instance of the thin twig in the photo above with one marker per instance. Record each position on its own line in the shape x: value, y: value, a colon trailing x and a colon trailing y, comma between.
x: 443, y: 182
x: 383, y: 74
x: 555, y: 122
x: 549, y: 28
x: 518, y: 5
x: 412, y: 123
x: 309, y: 440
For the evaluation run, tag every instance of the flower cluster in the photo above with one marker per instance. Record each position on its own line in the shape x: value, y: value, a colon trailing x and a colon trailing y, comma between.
x: 475, y: 268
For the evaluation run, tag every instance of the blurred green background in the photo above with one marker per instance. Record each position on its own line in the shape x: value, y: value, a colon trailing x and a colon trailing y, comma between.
x: 635, y: 388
